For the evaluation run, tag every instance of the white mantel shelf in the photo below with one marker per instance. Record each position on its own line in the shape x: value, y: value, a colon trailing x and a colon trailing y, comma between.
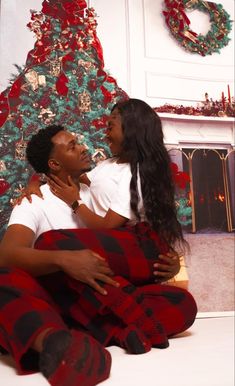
x: 195, y: 117
x: 201, y: 131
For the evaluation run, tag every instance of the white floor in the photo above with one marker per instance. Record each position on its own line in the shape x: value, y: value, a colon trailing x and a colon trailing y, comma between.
x: 202, y: 356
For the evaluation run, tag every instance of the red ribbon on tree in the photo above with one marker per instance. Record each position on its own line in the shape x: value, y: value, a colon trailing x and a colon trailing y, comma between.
x: 61, y: 85
x: 100, y: 123
x: 4, y: 109
x: 64, y: 10
x: 107, y: 95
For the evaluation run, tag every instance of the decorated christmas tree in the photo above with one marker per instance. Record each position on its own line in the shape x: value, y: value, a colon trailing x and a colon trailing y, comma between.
x: 62, y: 82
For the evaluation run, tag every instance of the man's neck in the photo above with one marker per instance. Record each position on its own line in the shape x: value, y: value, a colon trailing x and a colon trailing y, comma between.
x: 64, y: 178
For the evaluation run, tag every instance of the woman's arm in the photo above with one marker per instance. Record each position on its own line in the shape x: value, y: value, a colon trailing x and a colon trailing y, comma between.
x: 33, y: 187
x: 70, y: 194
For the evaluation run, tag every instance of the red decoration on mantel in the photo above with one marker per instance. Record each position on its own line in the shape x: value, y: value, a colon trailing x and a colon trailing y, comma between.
x: 208, y: 108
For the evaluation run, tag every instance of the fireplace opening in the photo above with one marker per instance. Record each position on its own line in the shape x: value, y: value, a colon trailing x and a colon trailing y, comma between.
x: 211, y: 193
x: 208, y: 189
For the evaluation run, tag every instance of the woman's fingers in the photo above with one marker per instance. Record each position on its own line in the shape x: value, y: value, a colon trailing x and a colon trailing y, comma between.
x: 56, y: 181
x: 28, y: 196
x: 71, y: 182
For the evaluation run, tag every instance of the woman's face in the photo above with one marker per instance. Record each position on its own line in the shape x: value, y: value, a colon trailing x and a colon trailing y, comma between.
x: 114, y: 132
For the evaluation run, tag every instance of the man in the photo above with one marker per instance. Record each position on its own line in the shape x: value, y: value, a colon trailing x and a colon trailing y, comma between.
x: 37, y: 325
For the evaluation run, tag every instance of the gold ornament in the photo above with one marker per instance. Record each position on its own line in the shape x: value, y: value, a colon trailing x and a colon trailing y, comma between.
x: 55, y: 67
x: 32, y: 79
x: 84, y: 102
x: 20, y: 149
x: 98, y: 156
x: 46, y: 115
x: 42, y: 80
x: 2, y: 166
x: 85, y: 64
x: 221, y: 113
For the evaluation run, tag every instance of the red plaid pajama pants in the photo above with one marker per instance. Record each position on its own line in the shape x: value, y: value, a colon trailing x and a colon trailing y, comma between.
x: 29, y: 305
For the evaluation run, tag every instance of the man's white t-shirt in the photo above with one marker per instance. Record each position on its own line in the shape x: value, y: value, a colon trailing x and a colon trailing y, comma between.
x: 110, y: 189
x: 49, y: 213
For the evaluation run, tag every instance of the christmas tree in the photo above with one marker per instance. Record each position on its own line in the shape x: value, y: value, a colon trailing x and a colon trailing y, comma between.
x: 62, y: 82
x: 184, y: 210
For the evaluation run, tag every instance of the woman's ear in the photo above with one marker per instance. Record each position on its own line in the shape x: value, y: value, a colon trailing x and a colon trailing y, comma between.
x: 53, y: 164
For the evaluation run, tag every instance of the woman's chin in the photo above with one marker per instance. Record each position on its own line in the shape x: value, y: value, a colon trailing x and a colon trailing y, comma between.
x: 114, y: 151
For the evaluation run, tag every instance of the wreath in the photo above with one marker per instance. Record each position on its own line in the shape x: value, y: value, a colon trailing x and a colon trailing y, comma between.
x: 178, y: 23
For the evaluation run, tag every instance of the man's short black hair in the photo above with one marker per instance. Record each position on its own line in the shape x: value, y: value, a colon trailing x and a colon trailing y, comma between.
x: 40, y: 146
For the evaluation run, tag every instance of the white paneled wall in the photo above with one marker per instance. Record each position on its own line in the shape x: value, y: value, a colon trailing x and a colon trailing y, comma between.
x: 165, y: 71
x: 139, y: 50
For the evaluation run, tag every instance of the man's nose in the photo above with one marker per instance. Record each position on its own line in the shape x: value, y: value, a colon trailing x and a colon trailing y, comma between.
x: 84, y: 150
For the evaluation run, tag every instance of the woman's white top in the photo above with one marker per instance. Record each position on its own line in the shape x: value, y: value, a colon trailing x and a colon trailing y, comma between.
x: 110, y: 189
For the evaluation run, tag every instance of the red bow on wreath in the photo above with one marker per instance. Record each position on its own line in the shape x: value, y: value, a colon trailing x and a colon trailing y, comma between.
x: 176, y: 11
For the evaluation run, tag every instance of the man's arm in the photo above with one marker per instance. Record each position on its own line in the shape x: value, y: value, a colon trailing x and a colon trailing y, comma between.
x: 16, y: 250
x: 86, y: 266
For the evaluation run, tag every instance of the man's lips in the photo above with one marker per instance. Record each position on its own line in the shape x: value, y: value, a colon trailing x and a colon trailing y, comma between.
x: 86, y: 158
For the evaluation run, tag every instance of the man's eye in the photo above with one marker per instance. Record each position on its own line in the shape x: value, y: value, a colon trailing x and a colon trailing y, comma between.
x: 72, y: 146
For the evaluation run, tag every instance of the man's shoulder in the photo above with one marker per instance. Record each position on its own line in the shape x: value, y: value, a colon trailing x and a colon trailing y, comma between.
x: 35, y: 204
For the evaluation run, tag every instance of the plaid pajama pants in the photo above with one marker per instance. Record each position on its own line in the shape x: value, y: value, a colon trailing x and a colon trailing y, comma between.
x: 29, y: 305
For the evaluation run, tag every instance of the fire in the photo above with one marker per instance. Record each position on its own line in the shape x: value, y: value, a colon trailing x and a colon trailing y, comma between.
x: 221, y: 197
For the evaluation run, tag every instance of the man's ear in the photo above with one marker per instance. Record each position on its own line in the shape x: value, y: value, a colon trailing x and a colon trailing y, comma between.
x: 53, y: 164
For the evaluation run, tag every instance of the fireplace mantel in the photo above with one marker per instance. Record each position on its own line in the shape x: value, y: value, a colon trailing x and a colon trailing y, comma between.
x: 187, y: 130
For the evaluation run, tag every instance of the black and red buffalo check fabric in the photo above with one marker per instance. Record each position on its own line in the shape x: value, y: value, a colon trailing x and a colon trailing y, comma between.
x: 130, y: 251
x: 28, y: 305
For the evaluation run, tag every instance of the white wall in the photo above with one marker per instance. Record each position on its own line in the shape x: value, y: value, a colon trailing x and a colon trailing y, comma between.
x: 138, y: 50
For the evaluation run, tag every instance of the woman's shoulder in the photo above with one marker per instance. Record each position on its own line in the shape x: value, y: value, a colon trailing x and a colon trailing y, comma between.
x: 109, y: 163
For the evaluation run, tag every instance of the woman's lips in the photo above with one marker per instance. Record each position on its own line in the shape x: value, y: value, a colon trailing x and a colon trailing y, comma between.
x: 108, y: 140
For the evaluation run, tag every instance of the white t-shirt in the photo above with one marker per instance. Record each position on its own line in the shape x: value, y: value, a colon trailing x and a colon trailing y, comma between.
x: 110, y: 189
x: 50, y: 213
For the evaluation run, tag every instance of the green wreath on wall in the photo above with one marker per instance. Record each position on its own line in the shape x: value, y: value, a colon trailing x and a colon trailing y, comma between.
x: 178, y: 23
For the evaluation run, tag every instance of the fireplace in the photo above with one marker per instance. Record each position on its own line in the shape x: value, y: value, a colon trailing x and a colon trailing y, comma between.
x: 211, y: 191
x: 204, y: 148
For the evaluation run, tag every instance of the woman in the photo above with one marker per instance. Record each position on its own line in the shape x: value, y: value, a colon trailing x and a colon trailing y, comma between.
x: 136, y: 184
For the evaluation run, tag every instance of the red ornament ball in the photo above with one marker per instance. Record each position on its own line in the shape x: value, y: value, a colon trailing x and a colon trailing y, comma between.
x: 4, y: 186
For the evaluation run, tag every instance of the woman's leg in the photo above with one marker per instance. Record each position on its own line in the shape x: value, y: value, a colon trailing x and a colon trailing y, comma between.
x: 175, y: 308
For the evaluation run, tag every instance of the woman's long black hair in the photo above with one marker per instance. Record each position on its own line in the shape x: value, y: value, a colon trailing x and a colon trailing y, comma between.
x: 144, y: 149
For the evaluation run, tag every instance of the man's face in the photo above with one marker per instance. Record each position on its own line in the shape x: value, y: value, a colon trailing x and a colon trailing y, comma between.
x: 71, y: 157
